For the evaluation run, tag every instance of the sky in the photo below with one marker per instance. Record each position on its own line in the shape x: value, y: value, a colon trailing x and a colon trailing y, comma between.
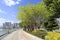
x: 9, y: 11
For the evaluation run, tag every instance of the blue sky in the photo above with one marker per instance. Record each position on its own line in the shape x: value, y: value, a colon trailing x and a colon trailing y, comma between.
x: 8, y: 9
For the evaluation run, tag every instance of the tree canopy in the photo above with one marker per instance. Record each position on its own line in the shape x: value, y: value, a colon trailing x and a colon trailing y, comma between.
x: 32, y: 13
x: 45, y: 12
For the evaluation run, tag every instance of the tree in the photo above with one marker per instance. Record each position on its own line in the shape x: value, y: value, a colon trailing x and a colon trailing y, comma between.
x: 30, y: 14
x: 34, y: 14
x: 27, y: 15
x: 52, y: 6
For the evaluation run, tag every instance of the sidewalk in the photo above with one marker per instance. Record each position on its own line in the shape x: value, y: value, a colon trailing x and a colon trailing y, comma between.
x: 20, y: 35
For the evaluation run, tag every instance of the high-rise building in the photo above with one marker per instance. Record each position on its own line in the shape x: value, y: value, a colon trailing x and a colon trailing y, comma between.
x: 15, y: 25
x: 10, y: 25
x: 7, y: 25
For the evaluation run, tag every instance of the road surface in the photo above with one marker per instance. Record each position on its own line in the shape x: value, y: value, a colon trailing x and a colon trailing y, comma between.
x: 20, y: 35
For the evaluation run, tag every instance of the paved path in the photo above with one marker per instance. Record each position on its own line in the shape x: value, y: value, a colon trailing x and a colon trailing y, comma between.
x: 20, y: 35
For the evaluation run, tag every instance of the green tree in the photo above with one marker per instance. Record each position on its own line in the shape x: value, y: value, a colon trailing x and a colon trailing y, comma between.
x: 30, y: 14
x: 52, y: 6
x: 27, y: 15
x: 34, y: 14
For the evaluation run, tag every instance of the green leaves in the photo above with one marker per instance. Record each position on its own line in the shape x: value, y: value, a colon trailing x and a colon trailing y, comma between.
x: 53, y: 6
x: 31, y: 13
x: 44, y: 12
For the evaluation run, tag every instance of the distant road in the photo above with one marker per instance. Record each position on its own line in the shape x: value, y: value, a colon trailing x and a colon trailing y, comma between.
x: 21, y: 35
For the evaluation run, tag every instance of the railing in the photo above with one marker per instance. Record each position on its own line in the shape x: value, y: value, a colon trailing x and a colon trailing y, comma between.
x: 8, y: 32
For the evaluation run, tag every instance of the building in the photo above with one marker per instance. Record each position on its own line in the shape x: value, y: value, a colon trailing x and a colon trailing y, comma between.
x: 15, y: 25
x: 7, y: 25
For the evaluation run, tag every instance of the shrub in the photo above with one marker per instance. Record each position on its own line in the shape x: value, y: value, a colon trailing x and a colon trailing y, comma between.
x: 52, y: 36
x: 39, y: 33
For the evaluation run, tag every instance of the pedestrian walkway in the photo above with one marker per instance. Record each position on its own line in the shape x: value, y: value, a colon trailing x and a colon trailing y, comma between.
x: 21, y: 35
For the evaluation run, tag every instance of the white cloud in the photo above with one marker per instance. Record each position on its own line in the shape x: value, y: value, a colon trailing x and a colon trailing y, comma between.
x: 2, y: 11
x: 11, y: 2
x: 17, y: 2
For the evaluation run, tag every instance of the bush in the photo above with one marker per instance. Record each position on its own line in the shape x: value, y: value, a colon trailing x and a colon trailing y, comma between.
x: 40, y: 33
x: 52, y: 36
